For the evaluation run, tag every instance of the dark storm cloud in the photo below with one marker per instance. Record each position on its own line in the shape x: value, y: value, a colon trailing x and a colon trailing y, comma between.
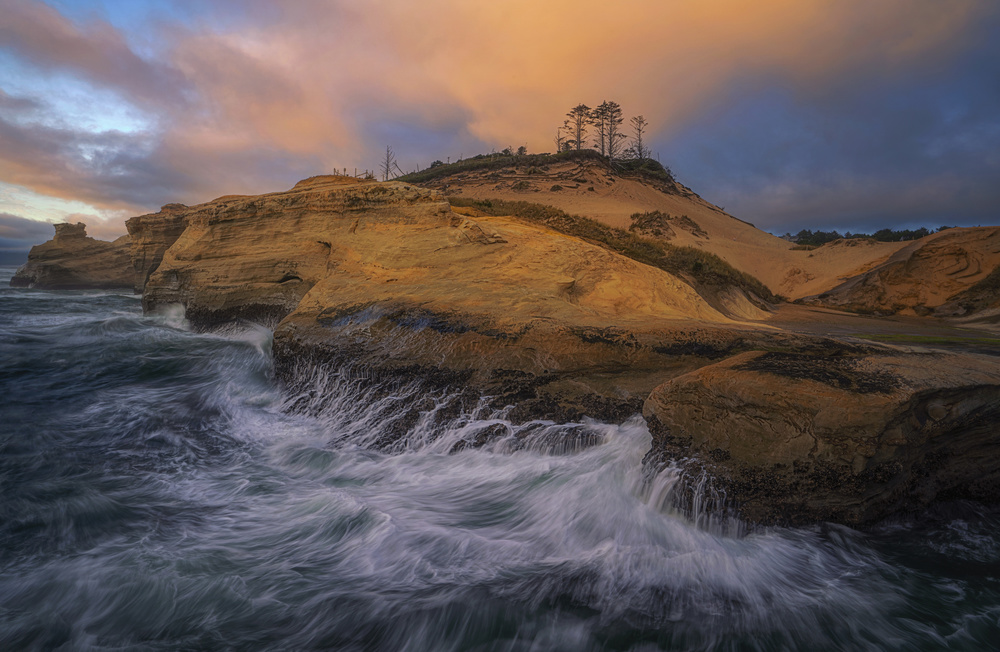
x: 10, y: 104
x: 919, y: 148
x: 18, y: 235
x: 109, y: 169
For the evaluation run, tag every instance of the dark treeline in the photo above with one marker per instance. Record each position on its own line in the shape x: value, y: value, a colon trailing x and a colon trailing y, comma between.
x: 817, y: 238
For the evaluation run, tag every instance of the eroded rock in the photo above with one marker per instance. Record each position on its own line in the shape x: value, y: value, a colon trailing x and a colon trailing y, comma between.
x: 71, y: 261
x: 387, y: 277
x: 845, y: 437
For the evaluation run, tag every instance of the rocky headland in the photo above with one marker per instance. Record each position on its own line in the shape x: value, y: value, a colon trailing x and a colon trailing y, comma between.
x: 72, y: 261
x: 562, y: 319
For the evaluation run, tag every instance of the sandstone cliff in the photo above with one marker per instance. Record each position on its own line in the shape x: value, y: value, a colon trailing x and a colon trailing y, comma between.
x: 151, y: 236
x: 387, y: 276
x: 72, y: 260
x: 385, y: 285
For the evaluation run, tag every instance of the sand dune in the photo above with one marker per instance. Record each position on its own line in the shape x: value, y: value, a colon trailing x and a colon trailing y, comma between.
x: 589, y: 187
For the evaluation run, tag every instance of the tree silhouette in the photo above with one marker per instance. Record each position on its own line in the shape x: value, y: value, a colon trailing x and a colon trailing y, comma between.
x: 577, y: 120
x: 559, y: 140
x: 613, y: 137
x: 599, y: 118
x: 389, y: 166
x: 638, y: 148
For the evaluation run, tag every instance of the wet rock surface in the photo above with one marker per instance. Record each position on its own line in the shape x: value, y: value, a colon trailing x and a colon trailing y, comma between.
x: 846, y: 438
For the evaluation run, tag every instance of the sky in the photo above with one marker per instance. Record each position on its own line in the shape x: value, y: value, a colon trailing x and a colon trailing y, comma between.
x: 823, y: 114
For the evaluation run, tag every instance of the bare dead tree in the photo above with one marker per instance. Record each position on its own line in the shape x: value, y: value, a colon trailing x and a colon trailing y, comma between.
x: 389, y: 166
x: 638, y: 148
x: 559, y: 139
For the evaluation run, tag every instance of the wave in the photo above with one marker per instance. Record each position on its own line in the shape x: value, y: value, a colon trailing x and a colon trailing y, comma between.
x: 163, y: 491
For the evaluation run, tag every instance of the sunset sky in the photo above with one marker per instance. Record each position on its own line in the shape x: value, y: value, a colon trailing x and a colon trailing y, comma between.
x: 847, y: 114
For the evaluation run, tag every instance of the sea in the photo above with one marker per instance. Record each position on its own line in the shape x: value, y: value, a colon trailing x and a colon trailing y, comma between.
x: 160, y: 490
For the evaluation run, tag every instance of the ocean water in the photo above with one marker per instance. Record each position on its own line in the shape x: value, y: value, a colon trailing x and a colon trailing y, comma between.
x: 160, y: 491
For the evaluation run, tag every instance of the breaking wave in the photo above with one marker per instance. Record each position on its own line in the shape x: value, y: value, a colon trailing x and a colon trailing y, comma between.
x: 161, y: 491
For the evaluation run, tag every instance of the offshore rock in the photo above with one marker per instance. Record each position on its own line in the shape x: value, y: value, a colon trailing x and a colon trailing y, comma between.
x: 72, y: 261
x: 848, y: 438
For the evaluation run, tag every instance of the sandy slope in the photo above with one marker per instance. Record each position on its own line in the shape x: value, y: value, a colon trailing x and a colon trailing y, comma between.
x: 588, y: 188
x: 923, y: 274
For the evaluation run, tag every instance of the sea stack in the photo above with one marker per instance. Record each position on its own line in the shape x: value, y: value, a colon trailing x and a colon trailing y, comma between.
x: 74, y: 261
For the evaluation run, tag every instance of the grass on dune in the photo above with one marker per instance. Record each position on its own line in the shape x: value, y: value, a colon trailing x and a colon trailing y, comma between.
x: 702, y: 269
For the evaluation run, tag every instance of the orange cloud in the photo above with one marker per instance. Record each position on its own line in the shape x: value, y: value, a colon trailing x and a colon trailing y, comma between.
x: 299, y: 84
x: 515, y: 67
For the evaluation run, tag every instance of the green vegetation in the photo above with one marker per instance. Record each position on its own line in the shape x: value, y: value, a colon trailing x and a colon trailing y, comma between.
x: 496, y: 162
x: 660, y: 224
x: 702, y: 269
x: 808, y: 238
x: 645, y: 167
x: 533, y: 164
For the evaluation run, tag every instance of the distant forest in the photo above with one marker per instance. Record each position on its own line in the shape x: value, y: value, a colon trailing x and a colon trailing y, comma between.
x: 817, y: 238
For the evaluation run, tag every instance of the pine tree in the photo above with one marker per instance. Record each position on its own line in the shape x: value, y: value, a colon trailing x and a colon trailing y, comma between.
x: 598, y: 118
x: 638, y: 148
x: 577, y: 120
x: 612, y: 135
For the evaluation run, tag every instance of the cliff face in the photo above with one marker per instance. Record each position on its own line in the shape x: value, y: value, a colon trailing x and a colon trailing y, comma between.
x: 388, y: 277
x: 72, y: 261
x: 383, y: 284
x: 151, y: 236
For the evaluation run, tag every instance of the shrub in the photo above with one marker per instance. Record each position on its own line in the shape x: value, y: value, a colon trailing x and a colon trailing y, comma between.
x: 521, y: 185
x: 818, y: 238
x: 556, y: 188
x: 646, y: 167
x: 497, y: 161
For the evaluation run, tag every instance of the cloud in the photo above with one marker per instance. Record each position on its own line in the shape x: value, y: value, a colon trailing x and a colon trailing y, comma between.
x: 17, y: 232
x: 919, y: 149
x: 18, y: 235
x: 95, y: 51
x: 15, y: 105
x: 251, y: 96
